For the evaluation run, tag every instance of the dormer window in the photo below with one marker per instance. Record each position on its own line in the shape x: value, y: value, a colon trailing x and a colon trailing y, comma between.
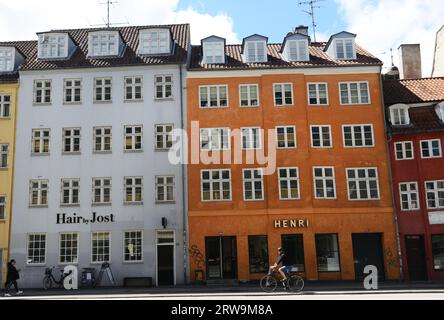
x: 297, y: 50
x: 7, y: 56
x: 103, y: 44
x: 344, y: 49
x: 399, y: 115
x: 256, y: 51
x: 53, y: 46
x: 440, y: 111
x: 155, y: 41
x: 213, y: 50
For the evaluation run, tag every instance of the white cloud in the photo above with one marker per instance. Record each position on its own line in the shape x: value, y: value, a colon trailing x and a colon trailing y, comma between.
x: 384, y: 24
x: 21, y: 19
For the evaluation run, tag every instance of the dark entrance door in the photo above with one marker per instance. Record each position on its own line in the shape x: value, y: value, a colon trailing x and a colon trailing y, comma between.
x: 221, y: 257
x: 165, y: 265
x: 367, y: 250
x: 416, y: 257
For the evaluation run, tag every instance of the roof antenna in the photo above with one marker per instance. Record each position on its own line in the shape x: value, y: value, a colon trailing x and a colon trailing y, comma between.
x: 108, y: 23
x: 311, y: 13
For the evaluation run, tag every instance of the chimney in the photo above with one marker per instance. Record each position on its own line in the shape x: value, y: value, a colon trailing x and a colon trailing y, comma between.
x: 410, y: 61
x: 301, y: 30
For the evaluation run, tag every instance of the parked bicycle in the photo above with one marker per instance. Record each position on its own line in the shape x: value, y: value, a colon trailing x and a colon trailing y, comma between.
x: 294, y: 283
x: 49, y: 278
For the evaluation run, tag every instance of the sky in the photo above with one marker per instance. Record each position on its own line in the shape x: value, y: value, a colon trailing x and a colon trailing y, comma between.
x: 379, y: 24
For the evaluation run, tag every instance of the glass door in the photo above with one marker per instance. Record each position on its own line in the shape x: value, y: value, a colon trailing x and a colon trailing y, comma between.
x: 221, y: 256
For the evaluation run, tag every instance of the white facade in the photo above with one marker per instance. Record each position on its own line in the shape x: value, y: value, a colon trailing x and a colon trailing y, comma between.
x: 86, y: 165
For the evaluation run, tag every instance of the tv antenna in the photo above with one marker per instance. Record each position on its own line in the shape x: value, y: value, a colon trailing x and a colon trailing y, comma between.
x: 108, y: 23
x: 312, y: 5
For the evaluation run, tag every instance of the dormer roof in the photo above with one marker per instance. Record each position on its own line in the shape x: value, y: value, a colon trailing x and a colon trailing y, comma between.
x: 342, y: 34
x: 253, y: 37
x: 294, y: 36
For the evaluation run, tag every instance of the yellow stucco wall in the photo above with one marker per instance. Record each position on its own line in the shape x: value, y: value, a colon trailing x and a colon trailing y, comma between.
x: 7, y: 136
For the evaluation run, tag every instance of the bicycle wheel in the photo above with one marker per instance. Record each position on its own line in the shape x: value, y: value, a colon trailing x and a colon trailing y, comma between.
x: 47, y: 283
x: 268, y: 283
x: 296, y: 284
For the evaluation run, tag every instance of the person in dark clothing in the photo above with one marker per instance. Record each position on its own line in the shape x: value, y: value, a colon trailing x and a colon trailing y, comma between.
x: 11, y: 278
x: 281, y: 264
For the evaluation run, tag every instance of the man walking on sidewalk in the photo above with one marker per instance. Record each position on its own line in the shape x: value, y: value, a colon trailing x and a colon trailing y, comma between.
x: 11, y: 278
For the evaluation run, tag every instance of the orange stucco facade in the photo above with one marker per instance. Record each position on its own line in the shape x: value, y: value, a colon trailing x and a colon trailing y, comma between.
x: 342, y: 217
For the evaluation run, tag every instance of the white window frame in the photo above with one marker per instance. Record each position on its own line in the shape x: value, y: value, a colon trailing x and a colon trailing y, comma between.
x: 133, y: 86
x: 214, y: 52
x: 39, y: 191
x: 70, y: 188
x: 167, y: 136
x: 164, y: 185
x: 103, y: 86
x: 41, y: 141
x: 250, y: 138
x: 344, y: 47
x: 103, y: 233
x: 288, y: 180
x: 298, y: 53
x: 5, y: 105
x: 362, y: 126
x: 218, y: 96
x: 28, y: 236
x: 321, y: 136
x: 165, y: 86
x: 399, y: 112
x: 257, y: 46
x: 77, y: 235
x: 282, y: 86
x: 4, y: 156
x: 430, y: 148
x: 133, y: 186
x: 403, y: 145
x: 349, y: 102
x: 286, y: 134
x: 7, y: 59
x: 318, y: 96
x: 253, y: 180
x: 133, y: 135
x: 45, y: 91
x: 71, y: 138
x: 150, y: 45
x: 102, y: 187
x: 98, y: 46
x: 48, y: 42
x: 219, y: 134
x: 2, y: 207
x: 324, y: 180
x: 249, y: 95
x: 125, y: 238
x: 436, y: 191
x: 409, y: 193
x: 367, y: 180
x: 221, y: 180
x: 102, y: 136
x: 76, y: 84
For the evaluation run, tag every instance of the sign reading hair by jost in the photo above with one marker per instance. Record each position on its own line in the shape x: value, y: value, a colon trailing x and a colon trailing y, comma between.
x: 63, y: 218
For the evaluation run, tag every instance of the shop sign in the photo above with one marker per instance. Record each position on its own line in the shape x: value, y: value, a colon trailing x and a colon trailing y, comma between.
x: 293, y: 223
x: 63, y: 218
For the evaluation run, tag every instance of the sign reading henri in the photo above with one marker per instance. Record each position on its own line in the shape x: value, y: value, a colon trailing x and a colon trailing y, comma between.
x: 295, y: 223
x: 63, y: 218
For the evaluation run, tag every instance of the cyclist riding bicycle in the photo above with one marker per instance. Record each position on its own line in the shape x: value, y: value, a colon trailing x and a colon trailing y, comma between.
x: 282, y: 264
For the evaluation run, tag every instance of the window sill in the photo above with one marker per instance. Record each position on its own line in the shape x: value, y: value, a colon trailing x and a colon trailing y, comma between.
x: 4, y: 169
x: 102, y: 204
x: 2, y: 221
x: 166, y: 202
x: 285, y: 106
x: 132, y: 151
x: 5, y: 118
x: 38, y: 206
x: 103, y: 102
x: 285, y: 148
x: 249, y: 107
x: 77, y: 103
x: 214, y: 107
x: 320, y: 148
x: 162, y: 150
x: 133, y: 203
x: 163, y: 99
x: 355, y: 104
x: 102, y: 152
x: 41, y: 104
x: 71, y: 153
x: 132, y: 100
x: 43, y: 154
x: 133, y: 262
x: 318, y: 105
x: 76, y: 205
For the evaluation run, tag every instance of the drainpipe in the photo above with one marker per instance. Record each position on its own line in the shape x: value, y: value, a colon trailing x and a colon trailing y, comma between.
x: 389, y: 160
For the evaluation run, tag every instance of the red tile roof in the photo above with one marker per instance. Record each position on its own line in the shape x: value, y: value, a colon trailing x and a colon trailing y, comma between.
x: 318, y: 58
x: 413, y: 90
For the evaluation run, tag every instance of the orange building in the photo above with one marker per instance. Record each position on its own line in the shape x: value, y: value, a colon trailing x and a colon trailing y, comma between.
x: 315, y: 110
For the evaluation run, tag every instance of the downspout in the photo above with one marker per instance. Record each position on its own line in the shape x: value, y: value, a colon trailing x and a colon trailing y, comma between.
x: 389, y: 160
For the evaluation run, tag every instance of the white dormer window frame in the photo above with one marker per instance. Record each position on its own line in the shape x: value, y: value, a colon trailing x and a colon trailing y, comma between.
x: 154, y: 41
x: 297, y: 50
x: 103, y: 44
x: 252, y: 51
x: 440, y: 111
x: 7, y: 59
x: 53, y: 46
x: 399, y: 115
x: 342, y: 49
x: 213, y: 52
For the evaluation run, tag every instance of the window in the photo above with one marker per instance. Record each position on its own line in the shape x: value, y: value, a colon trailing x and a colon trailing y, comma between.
x: 354, y: 93
x: 155, y: 41
x: 293, y: 246
x: 358, y: 136
x: 40, y: 141
x: 435, y: 194
x: 5, y: 106
x: 345, y: 49
x: 4, y: 153
x: 216, y: 185
x: 42, y: 91
x: 133, y: 246
x: 408, y: 193
x: 133, y: 88
x: 101, y: 188
x: 258, y: 254
x: 256, y: 51
x: 133, y: 138
x: 70, y: 192
x: 404, y: 150
x: 399, y: 116
x: 164, y: 87
x: 69, y: 248
x: 324, y: 182
x: 73, y: 89
x: 363, y: 184
x: 215, y: 139
x: 102, y: 139
x: 103, y: 44
x: 251, y: 138
x: 431, y: 149
x: 321, y: 137
x: 165, y: 188
x: 438, y: 252
x: 214, y: 52
x: 298, y: 50
x: 71, y: 140
x: 317, y: 94
x: 133, y: 190
x: 36, y: 248
x: 102, y: 89
x: 253, y: 184
x: 288, y: 183
x: 213, y: 96
x: 327, y: 252
x: 2, y: 207
x: 100, y: 247
x: 286, y: 137
x: 283, y: 94
x: 249, y: 95
x: 164, y: 136
x: 7, y: 57
x: 53, y: 46
x: 38, y: 193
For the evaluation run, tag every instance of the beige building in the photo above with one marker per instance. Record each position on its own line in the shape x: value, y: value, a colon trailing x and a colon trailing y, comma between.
x: 438, y: 64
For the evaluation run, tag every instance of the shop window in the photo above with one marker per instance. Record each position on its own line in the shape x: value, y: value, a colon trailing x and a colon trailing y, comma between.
x: 133, y: 251
x: 294, y: 249
x: 258, y: 251
x: 327, y: 252
x: 438, y: 252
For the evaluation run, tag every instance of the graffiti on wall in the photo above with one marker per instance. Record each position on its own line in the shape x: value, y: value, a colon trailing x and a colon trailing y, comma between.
x: 197, y: 257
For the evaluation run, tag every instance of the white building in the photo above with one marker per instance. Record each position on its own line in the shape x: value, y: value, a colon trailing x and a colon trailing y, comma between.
x: 93, y: 182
